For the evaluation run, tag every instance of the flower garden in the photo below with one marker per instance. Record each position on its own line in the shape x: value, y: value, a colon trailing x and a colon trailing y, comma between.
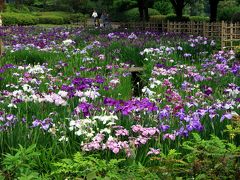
x: 71, y: 107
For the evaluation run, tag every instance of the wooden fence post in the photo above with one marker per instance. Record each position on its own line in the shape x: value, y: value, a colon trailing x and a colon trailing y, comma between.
x: 231, y: 35
x: 223, y: 35
x: 1, y: 42
x: 168, y: 26
x: 204, y: 29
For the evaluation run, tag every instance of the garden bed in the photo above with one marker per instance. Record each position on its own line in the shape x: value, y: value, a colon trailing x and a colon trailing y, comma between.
x: 69, y: 106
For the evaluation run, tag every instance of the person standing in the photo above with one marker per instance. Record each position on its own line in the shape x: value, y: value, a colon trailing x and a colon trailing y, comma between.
x: 103, y: 18
x: 95, y: 15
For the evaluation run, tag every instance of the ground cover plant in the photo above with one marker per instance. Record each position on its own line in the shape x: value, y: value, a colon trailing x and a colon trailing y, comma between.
x: 69, y: 107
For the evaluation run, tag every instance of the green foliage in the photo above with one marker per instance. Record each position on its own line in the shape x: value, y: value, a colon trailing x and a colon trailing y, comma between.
x: 171, y: 17
x: 234, y: 130
x: 31, y: 56
x: 212, y: 158
x: 77, y: 17
x: 226, y: 13
x: 55, y: 17
x: 157, y: 18
x: 196, y: 8
x: 237, y: 51
x: 22, y: 164
x: 51, y: 19
x: 92, y: 167
x: 124, y: 5
x: 21, y: 8
x: 170, y: 164
x: 88, y: 167
x: 133, y: 14
x: 199, y: 18
x: 236, y: 17
x: 163, y: 7
x: 19, y: 18
x: 208, y: 159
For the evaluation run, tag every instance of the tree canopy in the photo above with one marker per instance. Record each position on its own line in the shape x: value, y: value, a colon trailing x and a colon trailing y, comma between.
x: 177, y: 6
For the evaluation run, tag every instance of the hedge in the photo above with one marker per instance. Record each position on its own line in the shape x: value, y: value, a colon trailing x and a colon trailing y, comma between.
x: 159, y: 18
x: 57, y: 18
x: 18, y: 19
x: 51, y: 20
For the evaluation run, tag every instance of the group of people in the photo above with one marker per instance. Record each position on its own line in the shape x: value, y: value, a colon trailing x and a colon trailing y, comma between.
x: 101, y: 21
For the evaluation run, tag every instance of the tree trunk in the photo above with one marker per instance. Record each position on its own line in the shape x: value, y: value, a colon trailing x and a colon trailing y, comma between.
x: 141, y: 9
x: 179, y: 12
x: 178, y: 7
x: 213, y: 10
x: 146, y: 15
x: 1, y: 5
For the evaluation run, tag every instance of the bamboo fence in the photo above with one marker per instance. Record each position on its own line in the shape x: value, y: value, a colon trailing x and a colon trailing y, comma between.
x: 228, y: 33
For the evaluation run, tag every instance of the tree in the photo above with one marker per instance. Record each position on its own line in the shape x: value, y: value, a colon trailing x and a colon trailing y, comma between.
x: 143, y: 6
x: 1, y: 5
x: 213, y: 10
x: 178, y: 6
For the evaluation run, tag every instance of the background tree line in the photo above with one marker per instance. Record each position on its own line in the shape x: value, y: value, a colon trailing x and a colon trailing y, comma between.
x: 179, y: 7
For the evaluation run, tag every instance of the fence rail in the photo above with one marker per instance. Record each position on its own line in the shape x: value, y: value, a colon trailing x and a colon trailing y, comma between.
x: 229, y: 33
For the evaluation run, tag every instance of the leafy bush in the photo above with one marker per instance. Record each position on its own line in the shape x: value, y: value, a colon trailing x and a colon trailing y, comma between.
x: 92, y: 167
x: 164, y: 7
x: 133, y: 14
x: 16, y: 8
x: 54, y: 17
x: 157, y: 18
x: 88, y: 167
x: 236, y: 17
x: 226, y: 13
x: 203, y: 159
x: 212, y: 158
x: 199, y: 18
x: 51, y: 19
x: 22, y: 163
x: 78, y: 17
x: 19, y: 19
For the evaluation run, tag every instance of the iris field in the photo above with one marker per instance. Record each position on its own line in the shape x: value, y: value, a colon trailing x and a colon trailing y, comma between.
x: 71, y: 108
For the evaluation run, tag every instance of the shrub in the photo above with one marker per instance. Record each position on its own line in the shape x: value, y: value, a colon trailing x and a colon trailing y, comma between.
x: 133, y: 14
x: 175, y: 18
x: 54, y: 17
x: 236, y: 17
x: 164, y: 7
x: 78, y: 17
x: 17, y: 9
x: 18, y: 19
x: 226, y: 14
x: 199, y: 18
x: 159, y: 18
x: 51, y: 19
x: 22, y: 164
